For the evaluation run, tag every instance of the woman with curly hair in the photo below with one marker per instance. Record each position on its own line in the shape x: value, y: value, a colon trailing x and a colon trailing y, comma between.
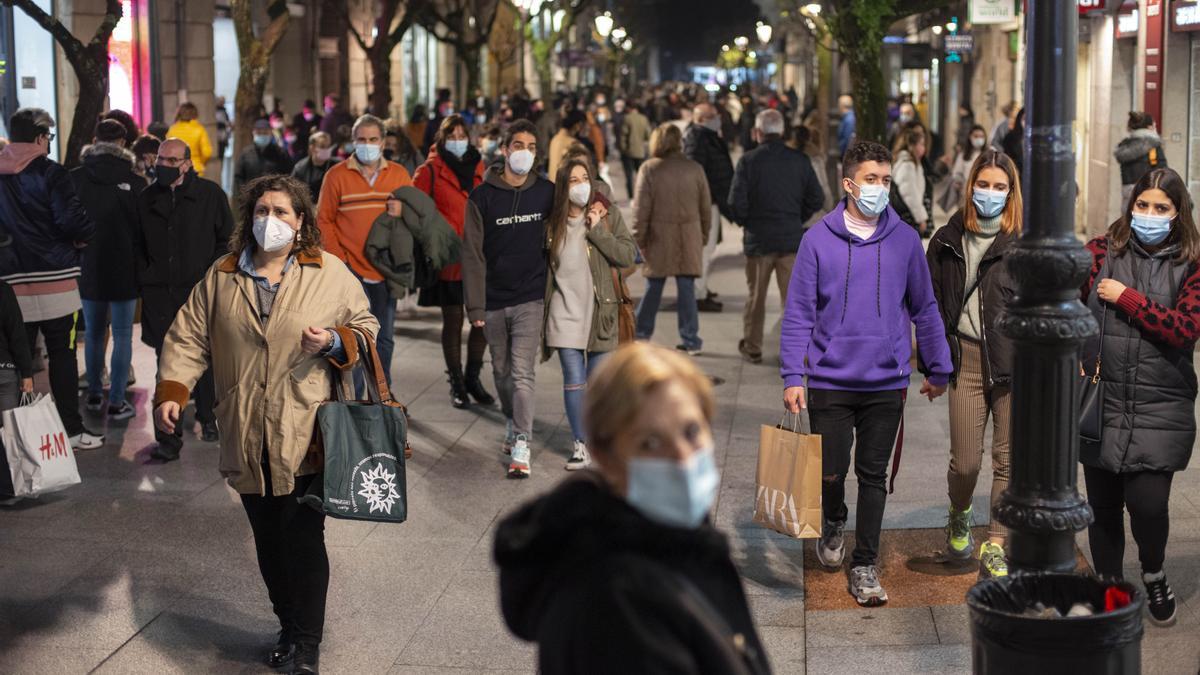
x: 277, y: 317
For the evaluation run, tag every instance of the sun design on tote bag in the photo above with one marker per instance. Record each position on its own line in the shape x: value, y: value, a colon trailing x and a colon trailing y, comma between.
x: 379, y: 489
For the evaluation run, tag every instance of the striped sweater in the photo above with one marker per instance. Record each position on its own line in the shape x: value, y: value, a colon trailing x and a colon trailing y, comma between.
x: 348, y: 206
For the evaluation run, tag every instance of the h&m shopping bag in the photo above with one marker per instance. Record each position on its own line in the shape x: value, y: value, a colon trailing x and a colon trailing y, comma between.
x: 364, y: 444
x: 788, y: 485
x: 38, y: 453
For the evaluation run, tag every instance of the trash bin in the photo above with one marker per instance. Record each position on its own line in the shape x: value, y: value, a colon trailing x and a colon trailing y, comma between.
x: 1006, y: 639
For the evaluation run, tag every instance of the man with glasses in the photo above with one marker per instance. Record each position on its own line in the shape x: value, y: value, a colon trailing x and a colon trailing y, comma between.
x: 185, y: 227
x: 43, y: 229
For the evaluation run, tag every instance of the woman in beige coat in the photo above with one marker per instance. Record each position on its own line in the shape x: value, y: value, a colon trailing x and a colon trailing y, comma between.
x: 671, y: 209
x: 277, y: 317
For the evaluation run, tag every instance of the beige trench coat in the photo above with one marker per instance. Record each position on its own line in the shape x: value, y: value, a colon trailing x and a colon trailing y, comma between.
x: 672, y: 211
x: 268, y: 390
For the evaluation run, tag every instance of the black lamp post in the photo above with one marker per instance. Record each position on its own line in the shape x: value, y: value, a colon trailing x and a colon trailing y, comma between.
x: 1041, y: 507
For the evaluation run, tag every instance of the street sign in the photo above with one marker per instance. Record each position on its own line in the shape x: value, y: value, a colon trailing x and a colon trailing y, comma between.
x: 963, y: 43
x: 1185, y: 16
x: 992, y: 11
x: 916, y: 56
x: 1087, y: 6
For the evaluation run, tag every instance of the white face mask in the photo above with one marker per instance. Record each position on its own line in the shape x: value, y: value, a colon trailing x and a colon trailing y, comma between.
x: 580, y: 193
x: 520, y: 161
x: 978, y: 142
x: 272, y: 234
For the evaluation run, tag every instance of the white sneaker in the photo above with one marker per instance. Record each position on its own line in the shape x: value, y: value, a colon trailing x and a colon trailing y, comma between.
x: 580, y: 459
x: 519, y: 467
x: 86, y: 440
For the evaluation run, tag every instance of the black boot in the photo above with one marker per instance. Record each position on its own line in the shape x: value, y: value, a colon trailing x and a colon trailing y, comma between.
x: 283, y: 651
x: 306, y: 660
x: 458, y: 391
x: 475, y: 387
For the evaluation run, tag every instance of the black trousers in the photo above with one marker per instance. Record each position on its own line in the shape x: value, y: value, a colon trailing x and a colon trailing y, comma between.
x: 1145, y: 494
x: 205, y: 396
x: 60, y: 336
x: 868, y: 422
x: 289, y: 539
x: 630, y: 166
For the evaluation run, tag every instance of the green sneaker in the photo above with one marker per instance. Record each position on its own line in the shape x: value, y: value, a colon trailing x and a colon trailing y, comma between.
x: 992, y: 562
x: 959, y: 543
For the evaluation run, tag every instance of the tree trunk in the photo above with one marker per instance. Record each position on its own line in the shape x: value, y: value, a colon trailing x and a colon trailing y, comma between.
x: 471, y: 61
x: 93, y: 89
x: 254, y: 64
x: 870, y: 94
x: 381, y: 78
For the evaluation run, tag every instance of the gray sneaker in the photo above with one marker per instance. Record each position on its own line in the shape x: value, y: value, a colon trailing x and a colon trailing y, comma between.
x: 865, y: 587
x: 831, y: 547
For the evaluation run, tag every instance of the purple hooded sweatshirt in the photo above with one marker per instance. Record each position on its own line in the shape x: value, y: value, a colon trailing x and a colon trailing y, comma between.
x: 850, y: 305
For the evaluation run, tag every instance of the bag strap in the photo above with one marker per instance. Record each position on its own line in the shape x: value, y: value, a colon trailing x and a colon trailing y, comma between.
x: 801, y: 423
x: 899, y: 443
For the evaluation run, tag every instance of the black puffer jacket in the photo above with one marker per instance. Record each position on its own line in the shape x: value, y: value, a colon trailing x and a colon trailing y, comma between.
x: 1149, y: 387
x: 601, y: 589
x: 1139, y: 152
x: 775, y: 191
x: 183, y: 232
x: 706, y: 147
x: 948, y: 271
x: 43, y: 227
x: 108, y: 189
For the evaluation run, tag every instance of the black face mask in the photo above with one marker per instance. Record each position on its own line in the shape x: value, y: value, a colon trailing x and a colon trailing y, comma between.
x: 166, y: 175
x: 389, y: 155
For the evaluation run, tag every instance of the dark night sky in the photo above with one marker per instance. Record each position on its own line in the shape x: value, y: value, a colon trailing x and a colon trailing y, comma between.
x: 687, y: 30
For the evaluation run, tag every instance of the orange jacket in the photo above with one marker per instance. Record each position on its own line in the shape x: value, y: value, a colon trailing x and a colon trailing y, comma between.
x: 348, y: 206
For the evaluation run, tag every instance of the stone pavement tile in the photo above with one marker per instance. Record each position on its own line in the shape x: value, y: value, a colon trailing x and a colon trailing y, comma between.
x: 465, y: 630
x: 772, y: 566
x: 370, y: 640
x: 85, y: 613
x: 953, y: 623
x: 39, y: 660
x: 785, y: 649
x: 769, y: 610
x: 377, y: 583
x: 870, y: 627
x: 446, y: 508
x: 1177, y: 654
x: 199, y: 635
x: 895, y: 660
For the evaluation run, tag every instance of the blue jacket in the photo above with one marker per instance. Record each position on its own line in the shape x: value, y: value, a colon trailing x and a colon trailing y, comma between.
x: 43, y: 227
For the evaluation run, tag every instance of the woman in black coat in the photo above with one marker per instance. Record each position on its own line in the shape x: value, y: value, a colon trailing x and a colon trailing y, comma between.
x: 1144, y: 290
x: 108, y: 189
x: 619, y: 570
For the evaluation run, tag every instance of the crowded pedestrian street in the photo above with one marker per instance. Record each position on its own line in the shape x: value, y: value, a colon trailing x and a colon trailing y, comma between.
x: 701, y: 337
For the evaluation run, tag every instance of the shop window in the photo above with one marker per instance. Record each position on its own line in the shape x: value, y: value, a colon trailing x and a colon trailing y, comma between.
x: 129, y: 64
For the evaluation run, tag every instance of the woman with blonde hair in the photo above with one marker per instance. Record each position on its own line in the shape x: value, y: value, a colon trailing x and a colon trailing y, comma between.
x: 631, y: 540
x: 188, y: 129
x: 972, y: 287
x: 672, y: 209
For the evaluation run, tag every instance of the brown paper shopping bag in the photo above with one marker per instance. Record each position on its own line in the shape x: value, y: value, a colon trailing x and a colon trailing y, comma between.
x: 788, y: 486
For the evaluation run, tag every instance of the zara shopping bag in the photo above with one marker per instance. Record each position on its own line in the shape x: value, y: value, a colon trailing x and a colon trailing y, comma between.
x: 364, y: 445
x: 39, y: 456
x: 788, y: 486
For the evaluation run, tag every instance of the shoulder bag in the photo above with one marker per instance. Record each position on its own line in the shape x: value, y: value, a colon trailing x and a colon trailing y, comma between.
x: 626, y: 321
x: 1091, y: 406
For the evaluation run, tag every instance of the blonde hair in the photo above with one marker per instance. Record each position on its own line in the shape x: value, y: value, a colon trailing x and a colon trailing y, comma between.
x: 666, y: 140
x: 1013, y: 214
x: 617, y: 390
x: 186, y: 112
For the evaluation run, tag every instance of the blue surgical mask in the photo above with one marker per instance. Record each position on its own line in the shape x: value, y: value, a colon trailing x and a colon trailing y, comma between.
x: 457, y: 148
x: 368, y: 153
x: 262, y: 141
x: 989, y: 203
x: 676, y: 494
x: 872, y: 200
x: 490, y: 147
x: 1151, y: 230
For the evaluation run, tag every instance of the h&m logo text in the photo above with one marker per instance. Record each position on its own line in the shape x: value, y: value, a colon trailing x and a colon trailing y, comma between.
x: 53, y: 445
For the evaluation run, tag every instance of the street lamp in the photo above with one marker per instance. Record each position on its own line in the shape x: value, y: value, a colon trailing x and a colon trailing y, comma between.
x: 813, y: 8
x: 741, y: 41
x: 618, y: 34
x: 764, y: 32
x: 604, y: 24
x: 937, y: 30
x: 627, y: 45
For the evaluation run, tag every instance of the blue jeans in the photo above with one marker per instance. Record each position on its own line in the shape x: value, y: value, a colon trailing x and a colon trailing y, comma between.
x: 577, y: 367
x: 689, y: 317
x: 96, y: 317
x: 383, y: 308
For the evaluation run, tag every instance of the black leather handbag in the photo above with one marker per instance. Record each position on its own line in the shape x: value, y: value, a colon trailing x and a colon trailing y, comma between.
x: 1091, y: 405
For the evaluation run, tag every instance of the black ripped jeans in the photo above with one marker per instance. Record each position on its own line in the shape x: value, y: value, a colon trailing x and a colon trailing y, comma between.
x: 866, y: 422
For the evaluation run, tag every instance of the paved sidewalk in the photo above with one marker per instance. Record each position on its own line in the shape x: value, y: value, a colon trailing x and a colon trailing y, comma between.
x: 150, y: 568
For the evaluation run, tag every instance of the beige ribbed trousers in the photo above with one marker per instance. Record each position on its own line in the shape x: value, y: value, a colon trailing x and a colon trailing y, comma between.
x: 971, y: 403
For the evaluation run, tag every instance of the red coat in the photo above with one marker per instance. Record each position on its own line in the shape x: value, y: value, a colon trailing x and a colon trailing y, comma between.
x: 448, y: 195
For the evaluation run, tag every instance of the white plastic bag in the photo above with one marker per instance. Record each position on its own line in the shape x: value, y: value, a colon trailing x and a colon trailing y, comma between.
x: 39, y: 454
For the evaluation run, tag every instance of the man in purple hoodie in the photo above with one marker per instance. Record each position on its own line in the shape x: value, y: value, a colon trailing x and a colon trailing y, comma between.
x: 858, y: 284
